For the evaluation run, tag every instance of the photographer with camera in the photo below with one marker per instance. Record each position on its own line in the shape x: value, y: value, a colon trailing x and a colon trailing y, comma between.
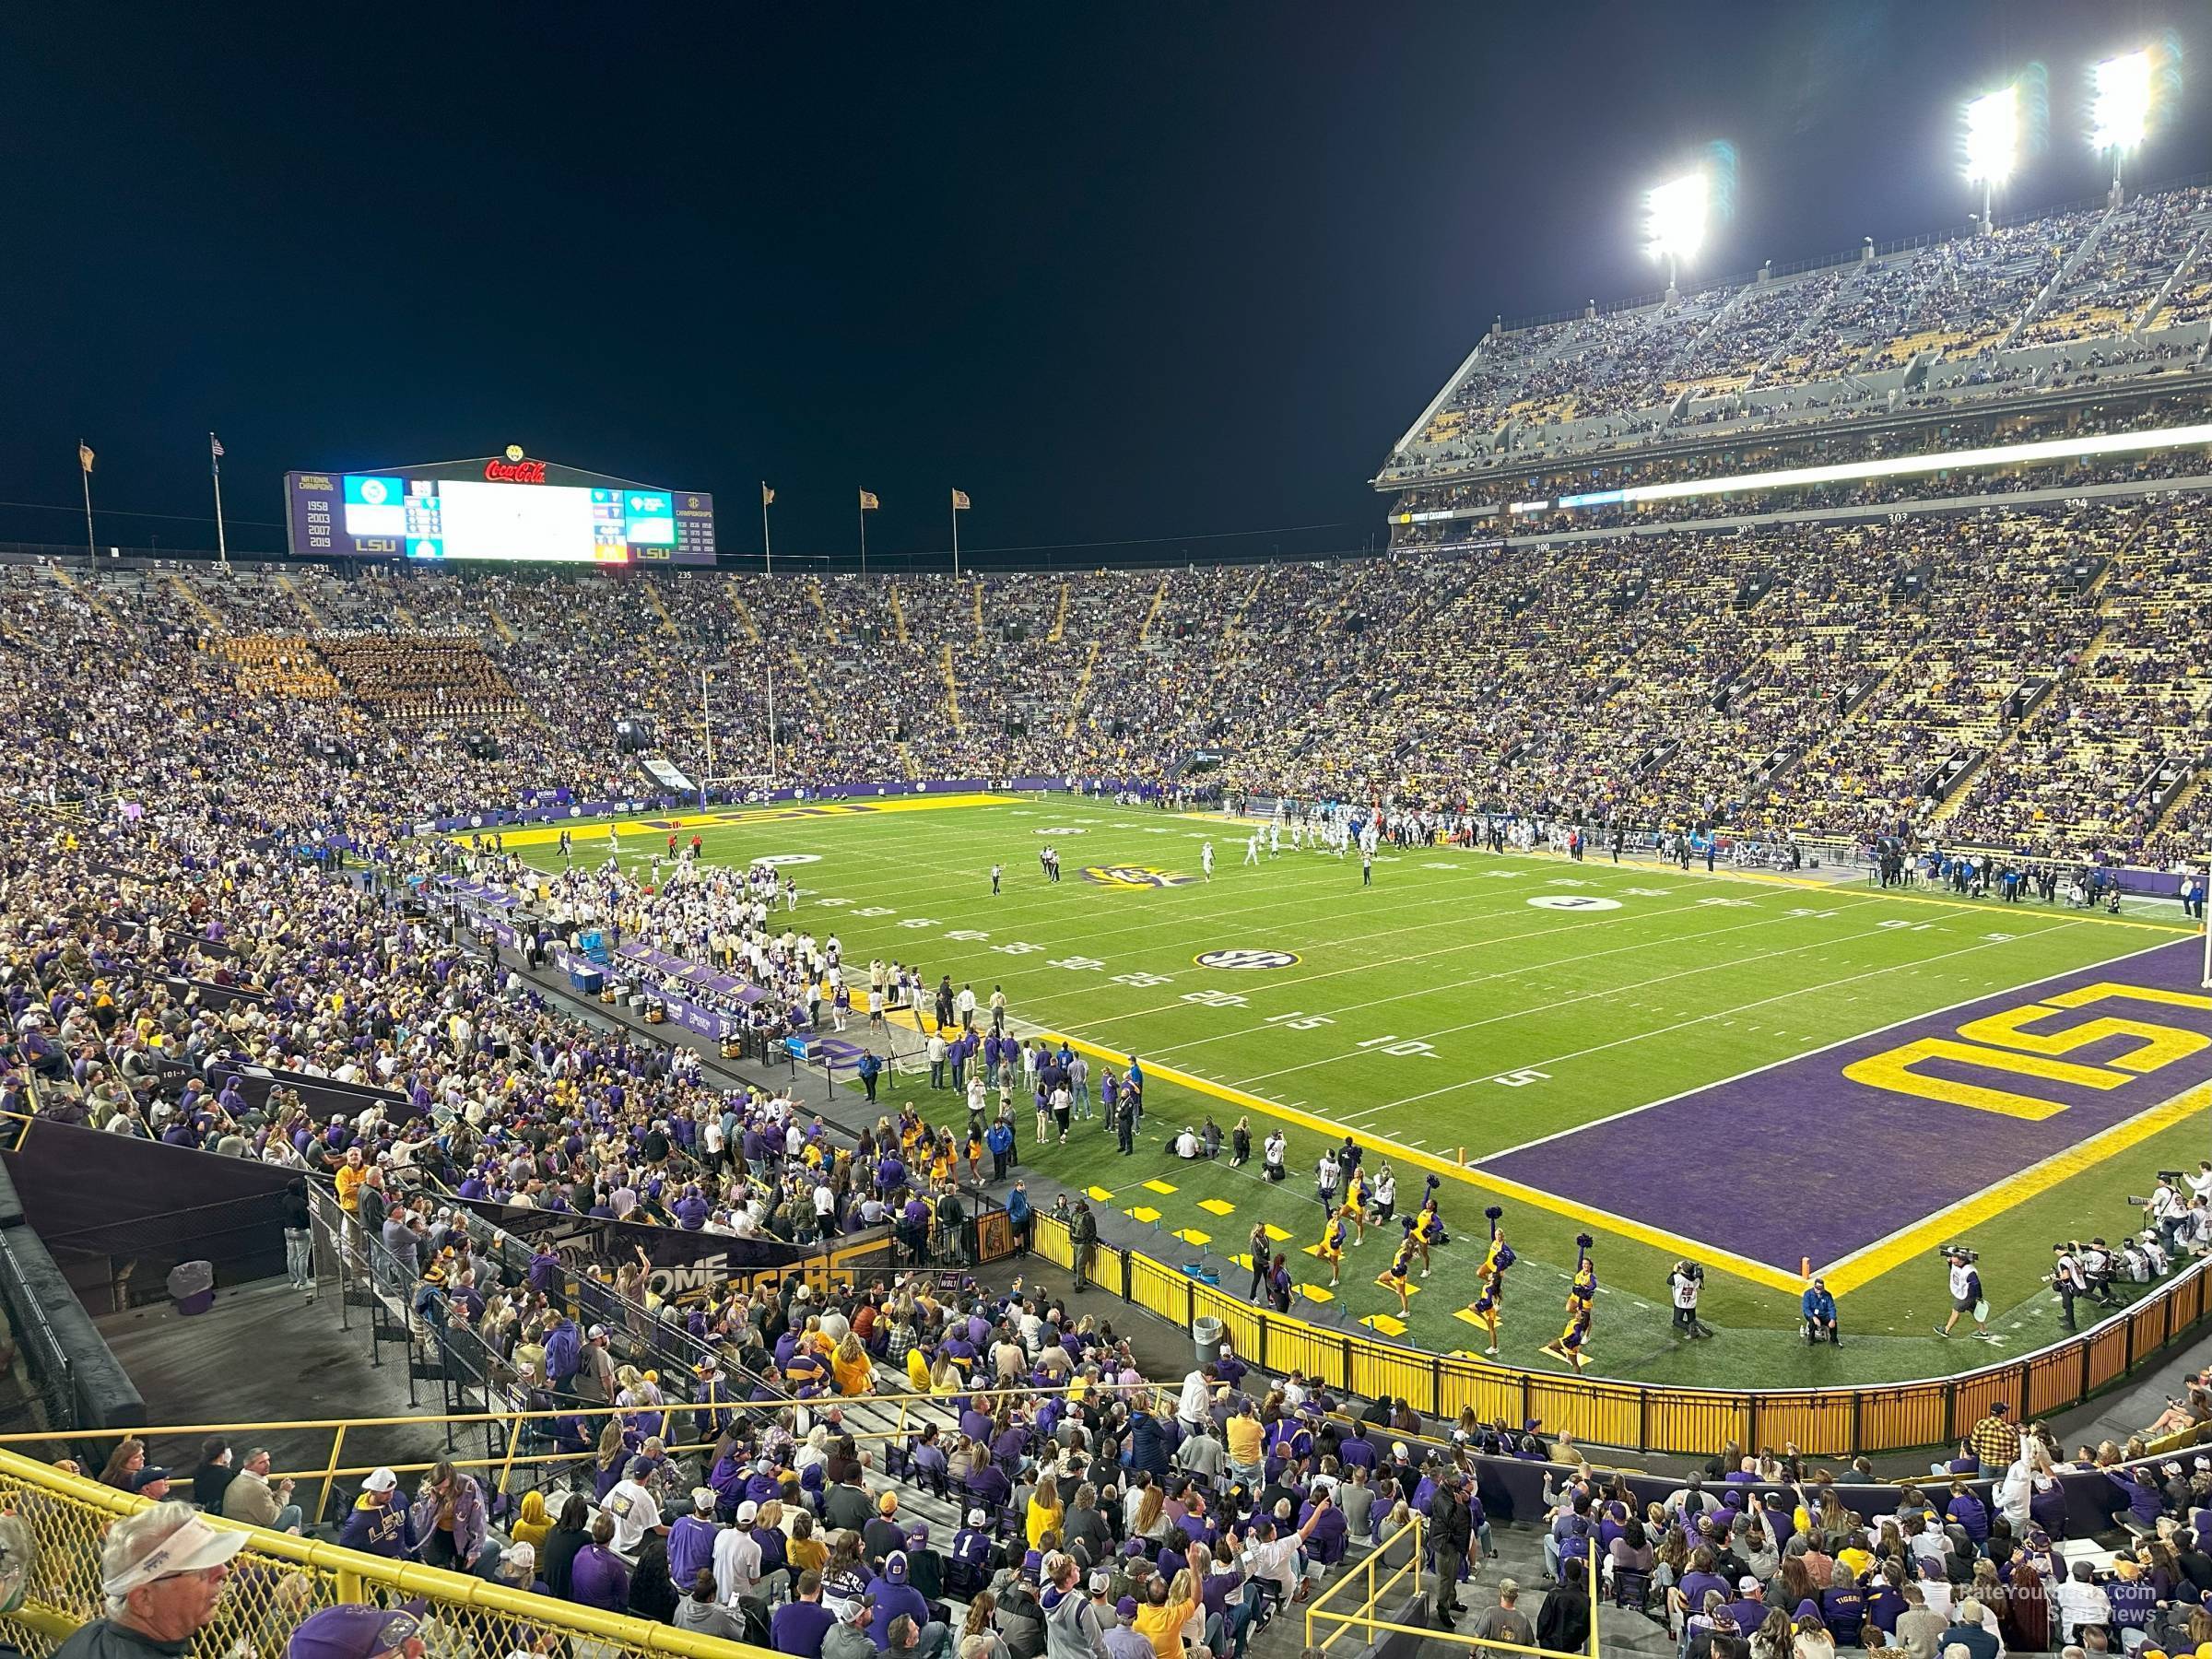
x: 2164, y: 1208
x: 1820, y: 1311
x: 1683, y: 1285
x: 2068, y: 1278
x: 1966, y: 1291
x: 2096, y: 1258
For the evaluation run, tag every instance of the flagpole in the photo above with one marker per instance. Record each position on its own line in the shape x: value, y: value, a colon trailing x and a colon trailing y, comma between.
x: 92, y: 550
x: 956, y: 541
x: 768, y: 557
x: 864, y: 538
x: 222, y: 546
x: 774, y: 778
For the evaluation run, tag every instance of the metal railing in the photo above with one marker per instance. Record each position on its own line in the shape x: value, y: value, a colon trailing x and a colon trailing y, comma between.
x: 51, y: 1371
x: 278, y: 1580
x: 512, y: 1468
x: 1374, y: 1626
x: 1319, y: 1611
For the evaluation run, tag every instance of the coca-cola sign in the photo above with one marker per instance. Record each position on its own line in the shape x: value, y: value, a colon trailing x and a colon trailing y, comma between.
x: 514, y: 472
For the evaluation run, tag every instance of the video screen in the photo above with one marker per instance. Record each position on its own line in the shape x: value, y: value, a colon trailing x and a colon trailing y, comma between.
x: 398, y: 515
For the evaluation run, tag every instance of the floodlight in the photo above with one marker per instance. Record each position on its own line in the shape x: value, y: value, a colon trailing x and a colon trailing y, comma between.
x: 1674, y: 219
x: 2120, y: 102
x: 1992, y: 133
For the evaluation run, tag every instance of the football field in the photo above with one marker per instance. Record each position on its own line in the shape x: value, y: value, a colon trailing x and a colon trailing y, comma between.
x: 1753, y: 1072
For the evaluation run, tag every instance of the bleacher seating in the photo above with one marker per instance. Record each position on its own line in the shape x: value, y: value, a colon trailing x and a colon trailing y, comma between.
x: 1980, y: 316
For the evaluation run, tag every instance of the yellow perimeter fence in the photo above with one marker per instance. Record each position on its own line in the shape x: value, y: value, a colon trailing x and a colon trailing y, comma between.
x: 1825, y: 1422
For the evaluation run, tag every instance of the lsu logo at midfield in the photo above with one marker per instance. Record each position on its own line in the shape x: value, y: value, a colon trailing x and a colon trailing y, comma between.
x: 1133, y: 875
x: 1247, y: 959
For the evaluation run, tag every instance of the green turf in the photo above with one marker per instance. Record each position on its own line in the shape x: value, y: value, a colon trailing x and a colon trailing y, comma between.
x: 1407, y: 996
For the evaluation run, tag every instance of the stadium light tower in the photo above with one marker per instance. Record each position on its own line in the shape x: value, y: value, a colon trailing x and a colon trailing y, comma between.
x: 2120, y: 106
x: 1673, y: 221
x: 1993, y: 137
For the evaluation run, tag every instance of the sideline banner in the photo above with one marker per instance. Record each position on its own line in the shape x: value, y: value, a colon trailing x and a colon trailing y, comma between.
x: 680, y: 1261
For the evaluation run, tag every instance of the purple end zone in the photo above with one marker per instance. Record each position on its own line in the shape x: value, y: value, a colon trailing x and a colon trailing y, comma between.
x: 1837, y: 1163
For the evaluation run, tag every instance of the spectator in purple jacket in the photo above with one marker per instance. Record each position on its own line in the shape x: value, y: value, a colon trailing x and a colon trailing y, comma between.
x: 600, y: 1577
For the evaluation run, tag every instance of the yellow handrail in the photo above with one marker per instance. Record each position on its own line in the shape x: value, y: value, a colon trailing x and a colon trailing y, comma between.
x: 1365, y: 1619
x: 279, y: 1579
x: 666, y: 1408
x: 1319, y: 1607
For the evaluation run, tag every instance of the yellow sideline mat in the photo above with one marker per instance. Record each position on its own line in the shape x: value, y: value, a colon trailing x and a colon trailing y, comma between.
x: 732, y: 817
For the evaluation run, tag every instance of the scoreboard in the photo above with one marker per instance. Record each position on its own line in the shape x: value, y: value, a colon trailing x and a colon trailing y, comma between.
x: 500, y: 509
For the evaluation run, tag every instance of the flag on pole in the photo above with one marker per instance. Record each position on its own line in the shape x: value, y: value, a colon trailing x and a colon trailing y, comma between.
x: 215, y: 452
x: 84, y: 456
x: 767, y: 495
x: 868, y: 503
x: 959, y: 500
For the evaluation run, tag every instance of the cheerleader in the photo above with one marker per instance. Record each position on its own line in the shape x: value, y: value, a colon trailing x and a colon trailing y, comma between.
x: 1585, y: 1286
x: 1429, y: 1228
x: 1495, y: 1261
x: 1400, y: 1272
x: 1569, y: 1348
x: 1581, y: 1297
x: 1499, y: 1257
x: 1330, y: 1248
x: 1355, y: 1206
x: 1485, y: 1308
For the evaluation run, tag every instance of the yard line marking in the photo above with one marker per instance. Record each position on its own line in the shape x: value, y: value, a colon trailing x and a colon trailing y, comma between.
x: 1682, y: 1024
x: 1870, y: 1262
x: 1562, y: 1002
x: 1793, y: 1059
x: 1339, y: 1011
x: 1458, y: 948
x: 1331, y: 1130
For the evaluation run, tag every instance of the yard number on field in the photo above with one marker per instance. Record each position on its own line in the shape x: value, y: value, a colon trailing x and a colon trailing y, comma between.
x: 1397, y: 1046
x: 1216, y: 999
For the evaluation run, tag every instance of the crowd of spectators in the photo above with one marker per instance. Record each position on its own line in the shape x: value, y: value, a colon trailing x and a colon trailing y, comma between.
x: 171, y: 902
x: 2046, y: 655
x: 1986, y: 308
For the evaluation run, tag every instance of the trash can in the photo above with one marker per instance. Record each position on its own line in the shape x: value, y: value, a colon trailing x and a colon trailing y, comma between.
x: 1205, y: 1332
x: 191, y: 1287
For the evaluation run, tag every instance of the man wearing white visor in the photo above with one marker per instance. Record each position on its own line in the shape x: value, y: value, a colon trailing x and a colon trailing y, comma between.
x: 162, y: 1571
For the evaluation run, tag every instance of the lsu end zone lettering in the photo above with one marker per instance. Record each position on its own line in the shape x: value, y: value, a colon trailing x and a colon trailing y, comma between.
x: 2034, y: 1060
x: 1904, y: 1136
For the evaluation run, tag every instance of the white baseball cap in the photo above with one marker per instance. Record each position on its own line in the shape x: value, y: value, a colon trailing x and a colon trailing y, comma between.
x: 379, y: 1480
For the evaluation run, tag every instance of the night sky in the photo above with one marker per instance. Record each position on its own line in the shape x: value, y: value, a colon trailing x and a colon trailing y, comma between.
x: 1130, y: 274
